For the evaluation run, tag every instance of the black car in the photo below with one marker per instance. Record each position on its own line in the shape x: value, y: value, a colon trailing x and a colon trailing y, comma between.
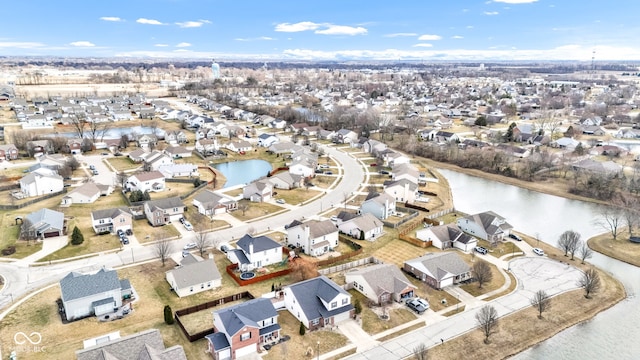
x: 120, y: 233
x: 515, y: 237
x: 129, y: 232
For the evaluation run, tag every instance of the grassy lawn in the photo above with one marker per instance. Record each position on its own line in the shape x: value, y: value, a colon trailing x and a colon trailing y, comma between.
x: 13, y: 172
x: 147, y: 233
x: 172, y: 189
x: 299, y: 344
x: 371, y: 322
x: 497, y: 280
x: 234, y: 192
x: 203, y: 320
x: 621, y: 248
x: 323, y: 181
x: 123, y: 163
x: 501, y: 248
x: 296, y: 196
x: 511, y: 288
x: 254, y: 210
x: 9, y: 233
x: 91, y: 244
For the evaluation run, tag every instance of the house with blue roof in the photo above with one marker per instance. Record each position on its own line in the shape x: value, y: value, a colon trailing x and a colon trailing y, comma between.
x: 93, y: 294
x: 318, y: 302
x: 255, y: 252
x: 239, y: 330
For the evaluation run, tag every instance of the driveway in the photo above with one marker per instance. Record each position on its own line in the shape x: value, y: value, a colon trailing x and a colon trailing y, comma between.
x: 533, y: 274
x: 105, y: 175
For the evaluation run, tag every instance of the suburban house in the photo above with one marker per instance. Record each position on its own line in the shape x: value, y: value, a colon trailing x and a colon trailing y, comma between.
x: 393, y: 158
x: 155, y: 159
x: 86, y: 193
x: 41, y: 182
x: 137, y: 155
x: 163, y: 211
x: 485, y: 225
x: 318, y: 303
x: 286, y: 180
x: 147, y: 141
x: 177, y: 152
x: 446, y: 237
x: 255, y: 252
x: 175, y: 137
x: 373, y: 146
x: 111, y: 220
x: 258, y: 191
x: 380, y: 283
x: 171, y: 171
x: 144, y: 345
x: 439, y: 270
x: 74, y: 146
x: 315, y: 237
x: 401, y: 190
x: 151, y: 181
x: 363, y: 227
x: 211, y: 203
x: 45, y: 223
x: 405, y: 171
x: 379, y: 205
x: 239, y: 146
x: 266, y: 140
x: 345, y: 136
x: 193, y: 276
x: 303, y: 166
x: 93, y: 294
x: 8, y: 152
x: 206, y: 145
x: 241, y: 329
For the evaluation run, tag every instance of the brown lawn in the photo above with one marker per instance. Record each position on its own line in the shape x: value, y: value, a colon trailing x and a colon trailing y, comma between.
x: 297, y: 196
x: 122, y: 163
x: 621, y: 248
x: 144, y: 232
x: 254, y: 210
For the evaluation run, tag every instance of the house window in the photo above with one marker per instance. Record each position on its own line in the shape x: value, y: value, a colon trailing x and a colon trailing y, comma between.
x: 209, y: 284
x: 355, y: 284
x: 345, y: 301
x: 360, y: 288
x: 334, y: 304
x: 101, y: 221
x: 245, y: 336
x: 315, y: 322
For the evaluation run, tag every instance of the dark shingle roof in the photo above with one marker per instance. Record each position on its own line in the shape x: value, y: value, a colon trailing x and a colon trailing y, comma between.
x: 145, y: 345
x: 246, y: 314
x: 260, y: 243
x: 168, y: 203
x: 218, y: 340
x: 76, y: 286
x: 309, y: 292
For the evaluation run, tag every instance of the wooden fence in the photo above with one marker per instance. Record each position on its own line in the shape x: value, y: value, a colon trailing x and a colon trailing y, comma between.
x: 208, y: 305
x: 411, y: 214
x: 33, y: 201
x: 349, y: 265
x: 357, y: 250
x: 258, y: 278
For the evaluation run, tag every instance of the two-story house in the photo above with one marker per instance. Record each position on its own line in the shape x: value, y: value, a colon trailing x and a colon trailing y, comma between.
x: 318, y: 303
x: 379, y: 205
x: 254, y: 252
x: 8, y: 152
x: 111, y: 220
x: 401, y: 190
x: 163, y: 211
x: 41, y: 182
x: 194, y: 275
x: 155, y: 159
x: 151, y: 181
x: 258, y: 191
x: 485, y: 225
x: 241, y: 329
x: 363, y: 227
x: 211, y: 203
x: 315, y: 237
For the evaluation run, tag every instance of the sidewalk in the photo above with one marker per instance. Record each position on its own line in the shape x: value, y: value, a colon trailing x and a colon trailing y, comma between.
x: 49, y: 246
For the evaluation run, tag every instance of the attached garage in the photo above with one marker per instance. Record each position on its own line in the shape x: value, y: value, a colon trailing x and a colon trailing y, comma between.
x: 247, y: 350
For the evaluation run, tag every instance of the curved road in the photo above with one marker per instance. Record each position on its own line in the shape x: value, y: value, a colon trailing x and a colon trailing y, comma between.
x: 22, y: 280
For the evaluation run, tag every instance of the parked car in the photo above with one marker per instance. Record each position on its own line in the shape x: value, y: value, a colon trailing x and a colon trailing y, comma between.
x: 319, y: 171
x: 323, y: 166
x: 92, y: 167
x: 280, y: 201
x: 125, y: 240
x: 129, y: 232
x: 187, y: 225
x: 190, y: 246
x: 384, y: 172
x: 334, y: 218
x: 417, y: 306
x: 373, y: 164
x: 515, y: 237
x: 328, y: 173
x: 185, y: 253
x: 120, y: 233
x: 182, y: 220
x: 95, y: 172
x: 481, y: 250
x: 538, y: 251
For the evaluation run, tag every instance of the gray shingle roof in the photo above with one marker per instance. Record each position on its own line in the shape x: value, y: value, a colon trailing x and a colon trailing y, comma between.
x: 109, y: 213
x: 438, y: 265
x: 195, y: 273
x: 145, y: 345
x: 168, y: 203
x: 260, y: 243
x: 236, y: 317
x: 383, y: 278
x: 44, y: 219
x: 218, y: 340
x: 77, y: 286
x: 309, y: 292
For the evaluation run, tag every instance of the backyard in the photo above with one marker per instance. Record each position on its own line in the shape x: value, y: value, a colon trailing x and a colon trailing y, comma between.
x: 248, y: 210
x: 123, y: 163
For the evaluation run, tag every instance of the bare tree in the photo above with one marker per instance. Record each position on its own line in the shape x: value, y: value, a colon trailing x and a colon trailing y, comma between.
x: 630, y: 205
x: 610, y: 219
x: 202, y: 242
x: 568, y: 242
x: 243, y: 207
x: 73, y: 163
x: 585, y: 252
x: 487, y: 318
x: 541, y: 301
x: 482, y: 272
x: 121, y: 178
x: 590, y: 282
x: 162, y: 250
x: 420, y: 352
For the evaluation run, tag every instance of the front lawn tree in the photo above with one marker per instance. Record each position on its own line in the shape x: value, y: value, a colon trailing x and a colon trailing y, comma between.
x: 76, y: 237
x: 162, y: 249
x: 569, y: 242
x: 420, y: 352
x: 590, y: 282
x: 541, y: 302
x: 482, y: 272
x: 202, y: 242
x: 487, y: 318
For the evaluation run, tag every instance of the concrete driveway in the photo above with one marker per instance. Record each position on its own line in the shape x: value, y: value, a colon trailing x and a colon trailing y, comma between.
x: 105, y: 175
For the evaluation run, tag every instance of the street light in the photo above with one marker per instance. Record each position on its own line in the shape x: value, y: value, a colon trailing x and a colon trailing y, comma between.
x: 318, y: 349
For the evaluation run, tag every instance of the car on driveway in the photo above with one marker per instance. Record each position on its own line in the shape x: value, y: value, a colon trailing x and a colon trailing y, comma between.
x: 190, y: 246
x: 125, y: 240
x: 185, y: 253
x: 129, y: 232
x: 280, y: 201
x: 417, y: 305
x: 187, y: 225
x: 515, y: 237
x: 538, y: 251
x: 481, y: 250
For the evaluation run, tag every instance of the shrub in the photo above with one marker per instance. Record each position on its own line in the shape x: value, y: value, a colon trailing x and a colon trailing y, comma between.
x: 302, y: 328
x: 10, y: 250
x: 357, y: 306
x: 168, y: 315
x: 76, y: 237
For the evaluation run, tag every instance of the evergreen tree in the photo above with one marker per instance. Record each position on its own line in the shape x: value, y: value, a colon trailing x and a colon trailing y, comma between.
x: 76, y: 237
x: 302, y: 328
x: 357, y: 306
x: 168, y: 315
x: 508, y: 136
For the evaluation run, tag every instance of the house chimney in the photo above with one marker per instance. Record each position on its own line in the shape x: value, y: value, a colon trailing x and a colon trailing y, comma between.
x: 251, y: 247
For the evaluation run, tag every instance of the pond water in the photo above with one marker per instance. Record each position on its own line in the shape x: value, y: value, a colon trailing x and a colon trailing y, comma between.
x: 612, y: 334
x: 243, y: 172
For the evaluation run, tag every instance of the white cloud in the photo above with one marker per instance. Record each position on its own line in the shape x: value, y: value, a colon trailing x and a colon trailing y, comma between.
x: 20, y: 45
x: 205, y: 21
x: 342, y: 30
x: 183, y: 44
x: 423, y: 45
x: 148, y: 21
x: 297, y: 27
x: 427, y: 37
x: 491, y: 13
x: 261, y: 38
x: 161, y: 45
x: 190, y: 24
x: 457, y: 37
x: 82, y: 44
x: 515, y: 1
x: 469, y: 26
x: 400, y: 35
x: 111, y: 18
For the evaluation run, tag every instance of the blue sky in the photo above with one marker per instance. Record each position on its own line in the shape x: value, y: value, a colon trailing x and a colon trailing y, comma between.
x: 324, y: 30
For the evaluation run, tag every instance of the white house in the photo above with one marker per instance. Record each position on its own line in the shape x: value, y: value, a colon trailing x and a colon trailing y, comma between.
x: 446, y: 237
x: 380, y: 283
x: 151, y: 181
x: 41, y: 182
x: 194, y: 276
x: 86, y: 193
x: 255, y: 252
x: 266, y: 140
x: 111, y: 220
x: 258, y: 191
x: 93, y: 294
x: 363, y: 227
x: 239, y: 146
x: 401, y: 190
x: 314, y: 237
x: 379, y: 205
x: 486, y: 225
x: 211, y: 203
x: 171, y: 171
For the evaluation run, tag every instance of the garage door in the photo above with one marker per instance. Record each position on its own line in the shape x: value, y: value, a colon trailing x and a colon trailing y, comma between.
x: 251, y: 349
x: 341, y: 317
x: 446, y: 282
x: 51, y: 234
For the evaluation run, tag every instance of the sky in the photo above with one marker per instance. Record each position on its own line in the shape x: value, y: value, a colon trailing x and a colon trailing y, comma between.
x: 339, y: 30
